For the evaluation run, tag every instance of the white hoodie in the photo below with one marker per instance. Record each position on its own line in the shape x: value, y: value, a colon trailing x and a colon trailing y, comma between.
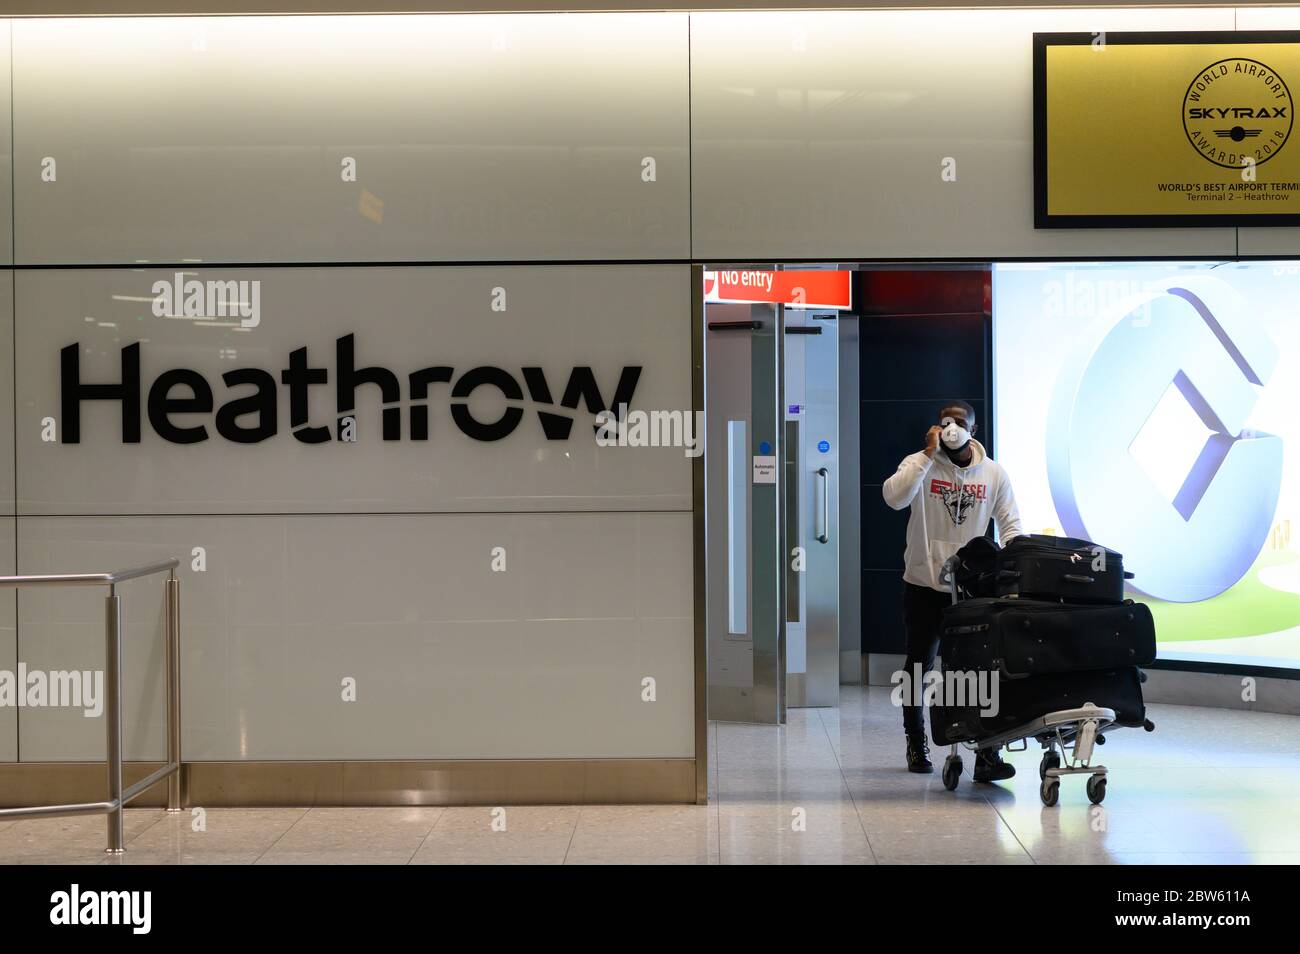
x: 951, y: 506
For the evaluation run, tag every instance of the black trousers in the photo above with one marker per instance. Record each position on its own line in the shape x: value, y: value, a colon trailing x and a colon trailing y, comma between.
x: 922, y: 613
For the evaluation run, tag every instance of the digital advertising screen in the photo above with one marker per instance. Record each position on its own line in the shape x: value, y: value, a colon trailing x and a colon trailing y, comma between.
x: 1154, y: 408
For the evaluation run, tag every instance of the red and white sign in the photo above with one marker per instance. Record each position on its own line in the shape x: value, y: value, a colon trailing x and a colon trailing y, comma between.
x: 806, y: 289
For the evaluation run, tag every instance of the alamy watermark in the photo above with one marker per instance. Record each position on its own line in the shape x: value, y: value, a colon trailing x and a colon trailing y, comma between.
x: 55, y: 689
x: 1085, y: 296
x: 953, y: 689
x: 211, y: 299
x: 626, y: 428
x: 133, y: 909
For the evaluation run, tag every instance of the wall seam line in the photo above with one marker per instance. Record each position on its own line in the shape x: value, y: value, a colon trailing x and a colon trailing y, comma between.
x: 13, y: 315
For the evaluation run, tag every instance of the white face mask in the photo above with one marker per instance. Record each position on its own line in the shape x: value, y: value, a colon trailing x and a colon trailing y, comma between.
x: 954, y: 436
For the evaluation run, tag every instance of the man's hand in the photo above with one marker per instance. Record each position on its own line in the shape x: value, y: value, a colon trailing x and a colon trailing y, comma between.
x: 932, y: 440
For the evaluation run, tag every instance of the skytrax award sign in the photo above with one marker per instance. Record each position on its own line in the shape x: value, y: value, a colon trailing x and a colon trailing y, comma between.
x: 1166, y: 129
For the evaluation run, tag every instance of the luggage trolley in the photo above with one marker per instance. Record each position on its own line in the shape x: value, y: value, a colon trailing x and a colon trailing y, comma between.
x: 1067, y: 734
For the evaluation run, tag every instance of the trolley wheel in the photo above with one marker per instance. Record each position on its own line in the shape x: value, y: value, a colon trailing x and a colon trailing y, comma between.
x: 1050, y: 761
x: 1050, y: 791
x: 951, y: 772
x: 1096, y: 788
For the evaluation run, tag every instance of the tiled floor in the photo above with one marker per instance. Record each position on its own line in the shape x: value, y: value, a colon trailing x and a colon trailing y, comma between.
x: 1209, y: 786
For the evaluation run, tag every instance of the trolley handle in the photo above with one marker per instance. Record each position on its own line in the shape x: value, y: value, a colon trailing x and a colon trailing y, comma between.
x: 948, y: 575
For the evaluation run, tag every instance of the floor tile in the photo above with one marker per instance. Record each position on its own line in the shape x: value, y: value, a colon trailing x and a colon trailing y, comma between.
x: 77, y: 840
x: 1207, y: 787
x: 368, y: 835
x: 217, y: 836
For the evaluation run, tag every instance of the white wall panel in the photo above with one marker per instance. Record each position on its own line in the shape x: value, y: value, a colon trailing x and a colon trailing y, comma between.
x: 7, y: 369
x: 8, y: 641
x: 8, y: 599
x: 6, y: 146
x: 401, y: 318
x: 451, y: 660
x: 821, y: 135
x: 476, y: 138
x: 1283, y: 242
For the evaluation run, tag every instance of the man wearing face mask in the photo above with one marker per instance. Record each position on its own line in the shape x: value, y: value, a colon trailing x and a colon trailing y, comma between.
x: 954, y: 488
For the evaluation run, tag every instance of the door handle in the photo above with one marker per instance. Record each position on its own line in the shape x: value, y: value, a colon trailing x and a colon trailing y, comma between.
x: 823, y: 528
x: 737, y: 529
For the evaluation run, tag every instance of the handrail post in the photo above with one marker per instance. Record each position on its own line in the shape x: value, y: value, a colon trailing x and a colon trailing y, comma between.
x: 118, y: 796
x: 113, y: 716
x: 174, y: 690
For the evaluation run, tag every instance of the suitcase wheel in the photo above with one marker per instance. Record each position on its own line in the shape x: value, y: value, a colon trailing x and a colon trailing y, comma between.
x: 1096, y: 788
x: 1050, y: 790
x: 951, y: 772
x: 1050, y: 761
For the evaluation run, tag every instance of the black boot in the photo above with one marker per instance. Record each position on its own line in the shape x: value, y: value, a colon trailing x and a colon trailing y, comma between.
x: 918, y: 755
x: 989, y: 766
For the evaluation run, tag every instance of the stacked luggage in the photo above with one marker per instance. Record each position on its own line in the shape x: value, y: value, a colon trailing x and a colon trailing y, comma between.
x: 1046, y: 619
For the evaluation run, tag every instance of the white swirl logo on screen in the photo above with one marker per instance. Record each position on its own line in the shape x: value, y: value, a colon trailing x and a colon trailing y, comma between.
x: 1200, y: 533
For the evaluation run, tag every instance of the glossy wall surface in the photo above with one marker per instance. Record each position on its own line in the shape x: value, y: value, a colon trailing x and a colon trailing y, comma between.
x: 487, y: 598
x: 447, y: 194
x: 612, y: 326
x: 824, y: 134
x: 441, y: 532
x: 450, y: 658
x: 338, y: 139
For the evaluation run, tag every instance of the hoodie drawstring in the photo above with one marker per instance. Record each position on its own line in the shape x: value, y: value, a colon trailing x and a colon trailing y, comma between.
x: 961, y: 486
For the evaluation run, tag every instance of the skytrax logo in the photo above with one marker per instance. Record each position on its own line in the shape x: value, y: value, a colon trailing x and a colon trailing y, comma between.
x: 1237, y: 112
x: 254, y: 416
x: 74, y: 907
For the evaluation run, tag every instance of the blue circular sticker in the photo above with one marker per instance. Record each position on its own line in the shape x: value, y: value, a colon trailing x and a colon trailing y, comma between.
x: 764, y: 448
x: 823, y: 446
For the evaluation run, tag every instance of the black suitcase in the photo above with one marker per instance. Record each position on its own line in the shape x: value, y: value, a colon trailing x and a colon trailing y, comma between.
x: 1058, y: 568
x: 1022, y: 700
x: 1021, y: 638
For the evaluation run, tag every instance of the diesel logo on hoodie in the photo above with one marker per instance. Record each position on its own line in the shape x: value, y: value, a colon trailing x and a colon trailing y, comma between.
x: 950, y: 505
x: 959, y: 501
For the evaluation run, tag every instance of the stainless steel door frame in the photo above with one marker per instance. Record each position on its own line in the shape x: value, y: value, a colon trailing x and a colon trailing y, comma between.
x: 821, y: 442
x: 744, y: 531
x: 795, y: 516
x: 850, y: 521
x: 811, y: 409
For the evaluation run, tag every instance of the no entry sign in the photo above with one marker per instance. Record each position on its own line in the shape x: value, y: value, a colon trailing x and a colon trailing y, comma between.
x: 802, y: 289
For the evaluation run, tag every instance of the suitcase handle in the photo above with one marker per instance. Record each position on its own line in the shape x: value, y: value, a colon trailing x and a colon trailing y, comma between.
x: 1008, y: 674
x: 1008, y: 574
x: 1078, y: 578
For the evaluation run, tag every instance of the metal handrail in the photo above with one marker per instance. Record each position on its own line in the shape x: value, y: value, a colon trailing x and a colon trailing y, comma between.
x: 90, y: 579
x: 118, y: 797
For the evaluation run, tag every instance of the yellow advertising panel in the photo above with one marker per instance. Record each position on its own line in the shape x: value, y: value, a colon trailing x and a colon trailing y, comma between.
x: 1164, y: 129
